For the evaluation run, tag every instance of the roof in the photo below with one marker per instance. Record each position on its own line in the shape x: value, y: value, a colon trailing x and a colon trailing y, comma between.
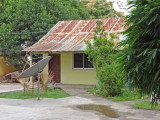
x: 70, y: 35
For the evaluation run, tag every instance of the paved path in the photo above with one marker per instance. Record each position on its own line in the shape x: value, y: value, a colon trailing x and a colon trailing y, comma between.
x: 123, y: 108
x: 65, y: 108
x: 9, y: 87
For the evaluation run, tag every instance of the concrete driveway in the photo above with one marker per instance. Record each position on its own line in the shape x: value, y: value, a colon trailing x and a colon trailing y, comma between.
x: 9, y: 87
x: 65, y: 108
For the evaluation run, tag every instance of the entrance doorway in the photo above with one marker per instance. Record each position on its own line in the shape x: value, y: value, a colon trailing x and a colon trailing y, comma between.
x: 54, y: 67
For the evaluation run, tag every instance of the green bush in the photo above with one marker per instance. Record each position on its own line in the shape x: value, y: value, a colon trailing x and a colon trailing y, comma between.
x: 108, y: 84
x: 100, y: 53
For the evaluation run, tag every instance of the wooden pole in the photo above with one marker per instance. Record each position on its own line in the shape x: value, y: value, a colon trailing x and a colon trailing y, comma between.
x: 38, y: 86
x: 24, y: 88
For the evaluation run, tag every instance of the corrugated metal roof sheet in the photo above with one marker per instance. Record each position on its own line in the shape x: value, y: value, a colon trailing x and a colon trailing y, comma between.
x: 70, y: 35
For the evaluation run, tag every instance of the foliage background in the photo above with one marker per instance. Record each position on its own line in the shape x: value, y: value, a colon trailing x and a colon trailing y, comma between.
x: 22, y: 20
x: 141, y: 54
x: 101, y: 9
x: 31, y: 20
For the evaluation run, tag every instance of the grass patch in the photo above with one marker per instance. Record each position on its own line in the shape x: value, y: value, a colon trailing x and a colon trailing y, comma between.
x: 145, y: 105
x: 51, y: 93
x: 126, y: 95
x: 92, y: 90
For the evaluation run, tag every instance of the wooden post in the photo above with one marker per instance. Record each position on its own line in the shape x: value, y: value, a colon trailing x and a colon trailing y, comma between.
x: 24, y: 88
x: 38, y: 86
x: 31, y: 81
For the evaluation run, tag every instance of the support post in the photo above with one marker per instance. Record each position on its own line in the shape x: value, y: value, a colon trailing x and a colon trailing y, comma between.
x: 38, y: 86
x: 24, y: 88
x: 31, y: 81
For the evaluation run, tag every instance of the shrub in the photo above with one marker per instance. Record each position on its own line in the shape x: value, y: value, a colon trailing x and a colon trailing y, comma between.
x: 100, y: 52
x: 108, y: 84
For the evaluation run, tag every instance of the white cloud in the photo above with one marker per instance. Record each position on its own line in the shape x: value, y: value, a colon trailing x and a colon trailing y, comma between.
x: 120, y: 6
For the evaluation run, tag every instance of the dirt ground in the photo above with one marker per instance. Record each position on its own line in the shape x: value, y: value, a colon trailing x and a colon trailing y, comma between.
x: 65, y: 108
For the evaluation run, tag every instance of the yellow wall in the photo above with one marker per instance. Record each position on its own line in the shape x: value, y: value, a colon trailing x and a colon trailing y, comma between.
x: 4, y: 69
x: 71, y: 76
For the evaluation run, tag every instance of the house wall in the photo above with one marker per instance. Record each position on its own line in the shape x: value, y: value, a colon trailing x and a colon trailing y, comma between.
x: 72, y: 76
x: 4, y: 69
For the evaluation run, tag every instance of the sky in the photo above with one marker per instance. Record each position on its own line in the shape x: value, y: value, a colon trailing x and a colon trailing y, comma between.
x: 120, y: 6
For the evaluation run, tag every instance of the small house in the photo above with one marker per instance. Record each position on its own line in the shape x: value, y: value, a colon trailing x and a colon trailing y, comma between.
x: 65, y: 43
x: 4, y: 68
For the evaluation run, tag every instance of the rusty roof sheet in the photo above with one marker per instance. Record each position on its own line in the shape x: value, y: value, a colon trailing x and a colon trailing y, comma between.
x: 70, y: 35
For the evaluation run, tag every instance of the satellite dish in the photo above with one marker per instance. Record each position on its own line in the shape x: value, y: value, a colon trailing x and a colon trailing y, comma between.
x: 36, y: 68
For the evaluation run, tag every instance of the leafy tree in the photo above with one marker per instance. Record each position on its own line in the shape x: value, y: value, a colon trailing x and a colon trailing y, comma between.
x: 101, y: 9
x: 31, y: 19
x: 141, y: 54
x: 2, y: 2
x: 100, y: 54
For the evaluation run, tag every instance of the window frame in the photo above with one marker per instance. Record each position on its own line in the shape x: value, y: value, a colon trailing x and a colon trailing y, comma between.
x: 83, y: 63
